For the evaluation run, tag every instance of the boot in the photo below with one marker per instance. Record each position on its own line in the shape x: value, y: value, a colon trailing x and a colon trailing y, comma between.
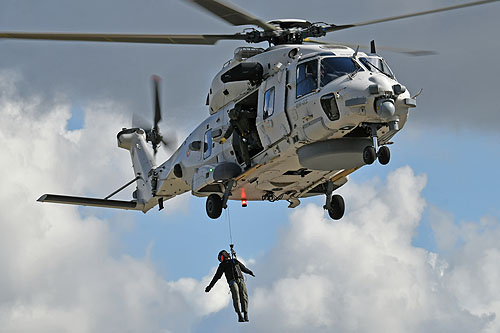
x: 245, y: 316
x: 240, y: 317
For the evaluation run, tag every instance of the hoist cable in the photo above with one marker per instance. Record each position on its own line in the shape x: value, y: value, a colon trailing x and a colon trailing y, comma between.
x: 228, y: 218
x: 233, y: 254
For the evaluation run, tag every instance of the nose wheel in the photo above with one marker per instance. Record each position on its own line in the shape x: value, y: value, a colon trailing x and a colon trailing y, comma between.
x: 370, y: 153
x: 384, y: 155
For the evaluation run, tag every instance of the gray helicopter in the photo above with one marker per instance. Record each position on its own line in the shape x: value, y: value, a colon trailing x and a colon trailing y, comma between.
x: 290, y: 121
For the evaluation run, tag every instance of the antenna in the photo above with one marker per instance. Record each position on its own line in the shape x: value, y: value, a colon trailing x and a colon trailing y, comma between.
x: 356, y: 52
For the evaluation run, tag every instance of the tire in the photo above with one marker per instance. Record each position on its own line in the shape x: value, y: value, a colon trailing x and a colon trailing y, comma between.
x: 214, y: 206
x: 369, y: 155
x: 338, y: 207
x: 384, y: 155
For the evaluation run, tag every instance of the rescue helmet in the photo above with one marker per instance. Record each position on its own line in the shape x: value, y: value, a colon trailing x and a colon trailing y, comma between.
x: 223, y: 255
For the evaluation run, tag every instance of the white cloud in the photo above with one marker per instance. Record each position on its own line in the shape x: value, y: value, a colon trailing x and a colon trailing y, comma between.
x: 363, y: 274
x: 59, y: 271
x: 473, y: 253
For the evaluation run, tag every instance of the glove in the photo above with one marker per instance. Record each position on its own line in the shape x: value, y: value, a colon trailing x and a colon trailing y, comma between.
x: 222, y: 140
x: 207, y: 289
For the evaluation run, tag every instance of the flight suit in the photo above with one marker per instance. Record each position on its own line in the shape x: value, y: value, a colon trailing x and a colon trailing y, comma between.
x: 233, y: 270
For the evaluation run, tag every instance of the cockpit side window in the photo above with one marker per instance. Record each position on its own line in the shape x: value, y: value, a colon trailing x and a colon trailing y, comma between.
x: 374, y: 64
x: 269, y: 103
x: 307, y: 77
x: 335, y: 67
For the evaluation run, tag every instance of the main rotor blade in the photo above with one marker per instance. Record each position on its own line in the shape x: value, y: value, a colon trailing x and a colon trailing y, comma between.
x: 399, y: 17
x: 385, y: 48
x: 123, y: 38
x: 232, y: 14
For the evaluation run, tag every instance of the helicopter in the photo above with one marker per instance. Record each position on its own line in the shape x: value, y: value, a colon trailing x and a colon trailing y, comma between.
x: 314, y: 113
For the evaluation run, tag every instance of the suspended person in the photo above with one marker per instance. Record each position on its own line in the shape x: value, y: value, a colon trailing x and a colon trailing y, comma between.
x: 233, y: 269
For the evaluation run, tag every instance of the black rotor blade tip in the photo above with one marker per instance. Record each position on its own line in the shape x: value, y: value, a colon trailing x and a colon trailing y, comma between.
x: 157, y: 115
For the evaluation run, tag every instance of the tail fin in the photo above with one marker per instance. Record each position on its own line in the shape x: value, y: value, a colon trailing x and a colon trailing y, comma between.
x: 134, y: 140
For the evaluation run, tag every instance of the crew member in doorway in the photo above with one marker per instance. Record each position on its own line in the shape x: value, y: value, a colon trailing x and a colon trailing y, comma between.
x: 240, y: 122
x: 233, y: 269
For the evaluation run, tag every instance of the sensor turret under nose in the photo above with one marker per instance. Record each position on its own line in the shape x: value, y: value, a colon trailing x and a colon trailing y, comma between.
x: 385, y: 108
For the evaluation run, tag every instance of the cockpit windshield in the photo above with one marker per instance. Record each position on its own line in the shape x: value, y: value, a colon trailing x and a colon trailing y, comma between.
x: 374, y: 64
x: 335, y: 67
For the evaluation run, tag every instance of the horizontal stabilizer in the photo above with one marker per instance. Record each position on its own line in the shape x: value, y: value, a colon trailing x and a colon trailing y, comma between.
x: 82, y: 201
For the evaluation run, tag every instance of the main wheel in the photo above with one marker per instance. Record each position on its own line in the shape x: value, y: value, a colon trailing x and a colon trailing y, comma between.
x: 384, y: 155
x: 338, y: 207
x: 214, y: 206
x: 369, y: 155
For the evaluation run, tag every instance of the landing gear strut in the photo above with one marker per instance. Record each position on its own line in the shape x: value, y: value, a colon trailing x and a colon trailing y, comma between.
x: 334, y: 203
x: 370, y: 154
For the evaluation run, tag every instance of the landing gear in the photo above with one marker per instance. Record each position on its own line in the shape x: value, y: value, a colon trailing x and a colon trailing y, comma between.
x: 337, y: 207
x: 215, y: 203
x: 334, y: 203
x: 384, y: 155
x: 214, y: 206
x: 369, y: 155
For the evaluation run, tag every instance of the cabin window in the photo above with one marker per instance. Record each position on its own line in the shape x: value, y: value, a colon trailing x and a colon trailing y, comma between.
x: 269, y: 103
x: 307, y: 77
x: 334, y: 67
x: 208, y: 144
x: 374, y: 64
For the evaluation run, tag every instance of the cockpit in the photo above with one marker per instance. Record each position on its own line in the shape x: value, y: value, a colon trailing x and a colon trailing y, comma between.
x: 322, y: 71
x: 318, y: 72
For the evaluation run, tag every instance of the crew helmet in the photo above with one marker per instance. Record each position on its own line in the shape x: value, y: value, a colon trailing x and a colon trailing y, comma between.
x: 233, y: 114
x: 223, y: 255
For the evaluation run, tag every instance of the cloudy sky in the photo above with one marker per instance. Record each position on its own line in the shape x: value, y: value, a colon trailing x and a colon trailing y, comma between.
x: 417, y: 250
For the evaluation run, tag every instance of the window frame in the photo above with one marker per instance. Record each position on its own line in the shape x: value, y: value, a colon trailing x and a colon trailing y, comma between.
x: 386, y: 70
x: 316, y: 59
x: 357, y: 67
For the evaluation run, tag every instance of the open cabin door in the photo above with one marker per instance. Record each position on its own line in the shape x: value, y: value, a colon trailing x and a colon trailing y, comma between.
x: 272, y: 121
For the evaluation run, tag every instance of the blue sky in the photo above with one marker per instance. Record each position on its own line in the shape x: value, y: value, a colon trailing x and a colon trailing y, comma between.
x: 63, y: 103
